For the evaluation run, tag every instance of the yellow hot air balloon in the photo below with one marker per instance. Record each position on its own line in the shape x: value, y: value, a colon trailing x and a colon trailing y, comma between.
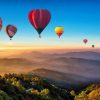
x: 59, y: 30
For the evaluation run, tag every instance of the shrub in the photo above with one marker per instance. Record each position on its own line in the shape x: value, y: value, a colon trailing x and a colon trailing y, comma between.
x: 94, y: 95
x: 4, y: 96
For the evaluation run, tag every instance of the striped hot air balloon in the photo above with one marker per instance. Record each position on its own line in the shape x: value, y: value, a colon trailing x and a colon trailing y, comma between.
x: 11, y: 30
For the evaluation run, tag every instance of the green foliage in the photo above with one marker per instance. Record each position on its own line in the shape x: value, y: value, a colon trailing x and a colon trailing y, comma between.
x: 94, y: 94
x: 73, y: 93
x: 1, y: 97
x: 90, y: 93
x: 4, y: 96
x: 44, y: 92
x: 29, y: 87
x: 32, y: 87
x: 18, y: 85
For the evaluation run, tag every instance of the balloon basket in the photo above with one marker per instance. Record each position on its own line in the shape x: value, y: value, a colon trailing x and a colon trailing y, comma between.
x: 39, y: 36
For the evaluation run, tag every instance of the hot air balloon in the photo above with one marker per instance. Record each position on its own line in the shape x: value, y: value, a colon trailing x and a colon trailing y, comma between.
x: 11, y: 30
x: 59, y: 31
x: 93, y: 46
x: 85, y: 41
x: 0, y: 23
x: 39, y: 19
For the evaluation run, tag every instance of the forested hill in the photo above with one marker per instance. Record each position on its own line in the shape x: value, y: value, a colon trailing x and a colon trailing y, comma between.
x: 32, y: 87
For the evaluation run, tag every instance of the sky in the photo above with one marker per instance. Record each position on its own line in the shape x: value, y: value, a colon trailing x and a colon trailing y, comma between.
x: 79, y: 18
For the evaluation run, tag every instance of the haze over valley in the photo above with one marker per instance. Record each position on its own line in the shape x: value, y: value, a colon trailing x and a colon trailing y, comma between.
x: 65, y: 66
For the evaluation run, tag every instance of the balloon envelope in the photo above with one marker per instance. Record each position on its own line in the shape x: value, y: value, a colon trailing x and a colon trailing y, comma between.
x: 39, y: 19
x: 59, y: 30
x: 11, y: 30
x: 0, y: 23
x: 85, y: 41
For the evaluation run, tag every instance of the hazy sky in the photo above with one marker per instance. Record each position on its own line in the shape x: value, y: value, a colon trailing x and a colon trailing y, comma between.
x: 80, y: 19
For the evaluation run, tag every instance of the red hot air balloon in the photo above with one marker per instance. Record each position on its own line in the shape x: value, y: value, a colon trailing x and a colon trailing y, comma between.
x: 39, y: 19
x: 0, y: 23
x: 11, y: 30
x: 85, y: 41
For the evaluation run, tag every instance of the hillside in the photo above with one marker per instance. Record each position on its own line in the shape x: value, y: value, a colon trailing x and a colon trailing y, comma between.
x: 64, y: 79
x: 29, y: 87
x: 33, y: 87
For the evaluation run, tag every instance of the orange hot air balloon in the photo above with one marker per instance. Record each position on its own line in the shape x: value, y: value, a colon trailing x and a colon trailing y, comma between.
x: 59, y: 31
x: 85, y: 41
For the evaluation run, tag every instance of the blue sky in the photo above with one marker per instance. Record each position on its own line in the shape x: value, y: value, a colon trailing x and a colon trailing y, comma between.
x: 80, y: 19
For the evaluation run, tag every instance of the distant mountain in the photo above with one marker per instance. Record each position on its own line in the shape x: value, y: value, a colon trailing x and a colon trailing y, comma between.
x: 85, y: 64
x: 15, y: 62
x: 57, y: 75
x: 34, y: 55
x: 85, y: 55
x: 78, y: 66
x: 16, y: 65
x: 63, y: 79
